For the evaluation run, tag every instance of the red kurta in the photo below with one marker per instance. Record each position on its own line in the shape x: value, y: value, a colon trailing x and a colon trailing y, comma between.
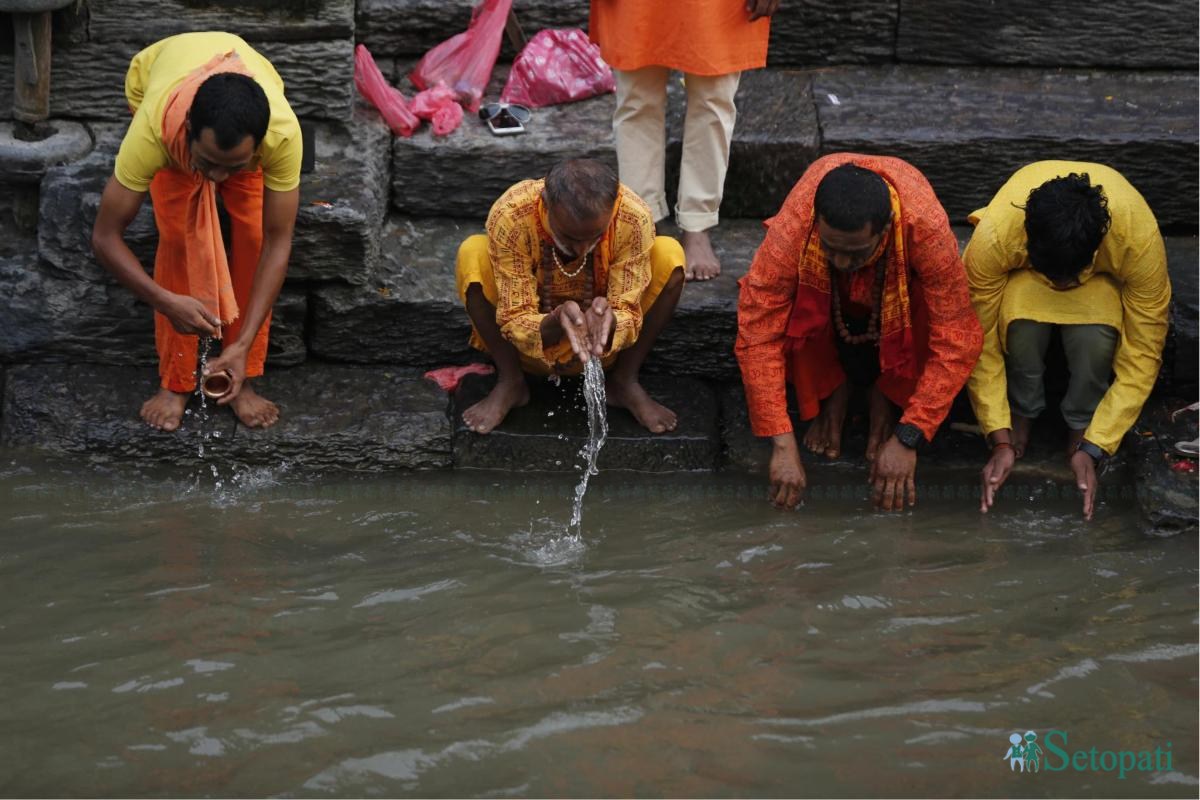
x: 946, y: 334
x: 701, y: 37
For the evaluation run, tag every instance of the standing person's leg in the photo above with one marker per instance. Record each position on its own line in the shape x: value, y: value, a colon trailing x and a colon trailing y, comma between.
x: 177, y: 352
x: 242, y: 194
x: 477, y: 289
x: 707, y: 134
x: 623, y: 387
x: 1026, y: 343
x: 640, y: 130
x: 1089, y: 350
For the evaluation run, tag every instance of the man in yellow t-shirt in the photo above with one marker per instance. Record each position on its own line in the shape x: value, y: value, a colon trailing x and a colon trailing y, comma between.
x: 1073, y: 246
x: 209, y: 117
x: 569, y: 270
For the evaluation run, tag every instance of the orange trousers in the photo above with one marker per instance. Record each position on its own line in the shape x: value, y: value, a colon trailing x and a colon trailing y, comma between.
x: 815, y: 369
x: 242, y: 195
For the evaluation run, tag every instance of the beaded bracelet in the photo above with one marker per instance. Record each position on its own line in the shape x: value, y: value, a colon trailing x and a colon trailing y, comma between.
x: 1003, y: 444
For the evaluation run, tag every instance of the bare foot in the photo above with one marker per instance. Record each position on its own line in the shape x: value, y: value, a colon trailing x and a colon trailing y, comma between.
x: 824, y: 434
x: 484, y: 416
x: 700, y: 262
x: 629, y: 394
x: 164, y: 411
x: 254, y: 410
x: 883, y: 422
x: 1074, y: 437
x: 1021, y: 427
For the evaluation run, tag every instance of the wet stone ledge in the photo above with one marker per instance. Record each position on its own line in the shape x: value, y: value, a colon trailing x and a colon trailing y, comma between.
x: 331, y: 417
x: 1166, y: 488
x: 548, y: 434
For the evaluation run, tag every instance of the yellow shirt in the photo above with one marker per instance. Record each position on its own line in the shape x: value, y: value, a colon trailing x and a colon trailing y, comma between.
x: 153, y: 75
x: 1131, y: 256
x: 530, y: 285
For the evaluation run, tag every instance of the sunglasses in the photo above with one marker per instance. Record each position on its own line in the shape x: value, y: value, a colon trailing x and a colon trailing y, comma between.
x: 497, y: 111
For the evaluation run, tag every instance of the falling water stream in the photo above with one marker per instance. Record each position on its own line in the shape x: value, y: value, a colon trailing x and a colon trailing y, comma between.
x: 597, y: 411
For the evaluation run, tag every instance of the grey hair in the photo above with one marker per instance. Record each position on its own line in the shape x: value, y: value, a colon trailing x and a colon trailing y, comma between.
x: 582, y: 187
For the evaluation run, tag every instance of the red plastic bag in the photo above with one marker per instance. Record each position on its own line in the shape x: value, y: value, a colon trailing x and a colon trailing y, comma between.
x: 557, y: 66
x: 448, y: 378
x: 464, y: 62
x: 381, y: 94
x: 439, y: 106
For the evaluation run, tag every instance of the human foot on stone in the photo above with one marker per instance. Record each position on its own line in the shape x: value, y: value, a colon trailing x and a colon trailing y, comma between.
x: 824, y: 434
x: 164, y: 411
x: 254, y: 410
x: 484, y: 416
x: 629, y: 395
x: 700, y: 261
x: 1021, y: 428
x: 883, y: 422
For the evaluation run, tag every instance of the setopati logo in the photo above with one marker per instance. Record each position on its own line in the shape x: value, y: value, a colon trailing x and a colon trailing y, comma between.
x: 1026, y: 755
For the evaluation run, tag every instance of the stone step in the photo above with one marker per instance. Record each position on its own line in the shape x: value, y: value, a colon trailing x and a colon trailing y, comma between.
x: 776, y: 139
x: 966, y: 129
x: 332, y: 416
x: 410, y: 314
x: 1076, y: 33
x: 548, y: 434
x: 87, y: 79
x: 819, y: 32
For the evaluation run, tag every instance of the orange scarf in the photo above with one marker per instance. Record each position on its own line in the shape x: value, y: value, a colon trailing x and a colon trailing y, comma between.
x: 206, y: 262
x: 811, y: 311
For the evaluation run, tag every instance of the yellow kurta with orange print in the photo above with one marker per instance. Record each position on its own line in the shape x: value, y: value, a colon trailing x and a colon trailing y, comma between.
x: 530, y: 284
x: 1126, y: 287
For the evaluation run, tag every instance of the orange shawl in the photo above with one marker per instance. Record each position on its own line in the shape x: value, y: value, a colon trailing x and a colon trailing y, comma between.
x: 811, y: 310
x: 206, y: 262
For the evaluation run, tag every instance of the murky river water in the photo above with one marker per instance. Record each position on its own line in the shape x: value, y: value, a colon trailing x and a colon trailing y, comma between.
x: 425, y: 635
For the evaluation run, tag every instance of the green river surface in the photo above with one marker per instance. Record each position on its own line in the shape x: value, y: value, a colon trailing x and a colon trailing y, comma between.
x: 267, y: 633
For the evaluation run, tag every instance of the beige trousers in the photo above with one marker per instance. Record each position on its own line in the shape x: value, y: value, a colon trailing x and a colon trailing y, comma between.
x: 639, y: 125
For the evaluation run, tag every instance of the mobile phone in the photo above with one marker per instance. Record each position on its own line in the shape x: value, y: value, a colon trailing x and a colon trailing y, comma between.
x: 505, y: 125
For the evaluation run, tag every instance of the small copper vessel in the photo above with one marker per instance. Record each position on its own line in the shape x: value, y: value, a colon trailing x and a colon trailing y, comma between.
x: 217, y: 385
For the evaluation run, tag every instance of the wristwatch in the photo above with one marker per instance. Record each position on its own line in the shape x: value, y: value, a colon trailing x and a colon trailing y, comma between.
x: 1092, y: 450
x: 909, y: 435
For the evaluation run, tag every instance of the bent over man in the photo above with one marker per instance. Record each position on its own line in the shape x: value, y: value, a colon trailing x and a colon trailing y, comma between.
x: 1069, y: 247
x: 209, y: 118
x: 858, y: 281
x: 569, y: 270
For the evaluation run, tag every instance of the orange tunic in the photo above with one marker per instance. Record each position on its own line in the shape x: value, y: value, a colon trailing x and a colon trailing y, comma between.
x: 701, y: 37
x: 946, y: 337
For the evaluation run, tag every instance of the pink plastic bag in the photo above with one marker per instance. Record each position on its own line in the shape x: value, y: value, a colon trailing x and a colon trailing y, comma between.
x: 464, y: 62
x: 557, y: 66
x: 385, y: 97
x: 439, y: 106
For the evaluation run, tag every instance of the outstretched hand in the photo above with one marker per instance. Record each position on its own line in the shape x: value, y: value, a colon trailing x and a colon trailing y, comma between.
x: 786, y: 473
x: 1085, y: 480
x: 893, y: 476
x: 188, y: 315
x: 994, y: 474
x: 600, y: 323
x: 233, y: 361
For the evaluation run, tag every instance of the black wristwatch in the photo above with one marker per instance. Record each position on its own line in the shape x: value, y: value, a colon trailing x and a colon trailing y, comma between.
x: 909, y: 435
x: 1092, y: 450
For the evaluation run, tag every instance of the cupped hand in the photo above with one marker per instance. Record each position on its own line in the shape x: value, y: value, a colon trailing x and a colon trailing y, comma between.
x: 893, y: 476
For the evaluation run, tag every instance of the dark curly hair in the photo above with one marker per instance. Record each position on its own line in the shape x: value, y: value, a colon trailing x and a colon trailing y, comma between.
x: 850, y: 196
x: 1065, y: 220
